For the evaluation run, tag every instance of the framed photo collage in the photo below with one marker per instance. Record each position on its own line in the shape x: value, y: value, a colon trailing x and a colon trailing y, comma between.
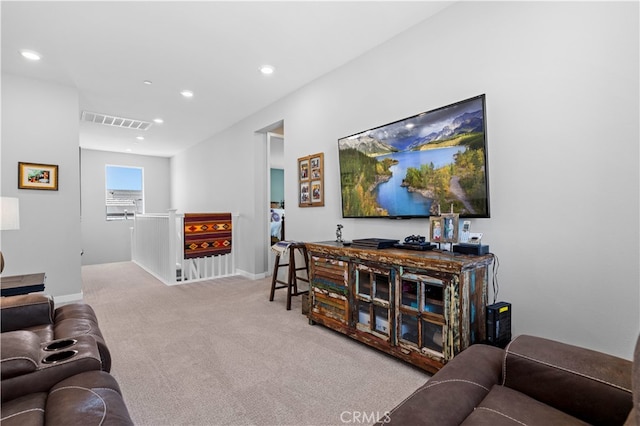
x: 311, y: 180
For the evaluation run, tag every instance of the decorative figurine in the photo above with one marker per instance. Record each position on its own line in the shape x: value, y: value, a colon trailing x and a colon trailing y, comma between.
x: 339, y: 233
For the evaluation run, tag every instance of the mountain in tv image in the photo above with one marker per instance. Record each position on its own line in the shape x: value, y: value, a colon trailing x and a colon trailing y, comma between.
x: 414, y: 166
x: 413, y: 133
x: 367, y: 145
x: 469, y: 122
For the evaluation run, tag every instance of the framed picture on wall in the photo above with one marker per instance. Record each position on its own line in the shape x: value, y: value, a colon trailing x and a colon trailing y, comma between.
x: 311, y: 180
x: 37, y: 176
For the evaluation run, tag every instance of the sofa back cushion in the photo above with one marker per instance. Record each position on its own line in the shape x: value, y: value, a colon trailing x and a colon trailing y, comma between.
x: 592, y: 386
x: 24, y: 311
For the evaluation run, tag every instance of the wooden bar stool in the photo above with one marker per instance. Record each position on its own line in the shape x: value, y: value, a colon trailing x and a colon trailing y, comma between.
x: 292, y: 276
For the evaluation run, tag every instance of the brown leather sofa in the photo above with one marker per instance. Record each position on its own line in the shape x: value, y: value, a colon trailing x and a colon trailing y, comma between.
x: 36, y: 313
x: 533, y: 381
x: 54, y: 366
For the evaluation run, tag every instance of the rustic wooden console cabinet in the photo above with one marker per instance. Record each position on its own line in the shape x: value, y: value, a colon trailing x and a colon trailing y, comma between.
x: 421, y: 306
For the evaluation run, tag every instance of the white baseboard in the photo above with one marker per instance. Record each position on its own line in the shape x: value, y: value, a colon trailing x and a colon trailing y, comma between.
x: 67, y: 298
x: 250, y: 275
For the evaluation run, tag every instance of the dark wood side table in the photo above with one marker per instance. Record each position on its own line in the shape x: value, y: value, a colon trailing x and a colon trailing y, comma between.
x: 21, y: 284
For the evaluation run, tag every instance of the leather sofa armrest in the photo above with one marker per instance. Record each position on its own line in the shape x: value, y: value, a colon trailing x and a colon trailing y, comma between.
x: 24, y: 311
x: 57, y: 360
x: 453, y: 392
x: 592, y: 386
x: 20, y: 353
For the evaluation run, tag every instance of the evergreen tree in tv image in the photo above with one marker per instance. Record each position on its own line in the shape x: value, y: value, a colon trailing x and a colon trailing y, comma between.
x: 411, y: 167
x: 360, y: 175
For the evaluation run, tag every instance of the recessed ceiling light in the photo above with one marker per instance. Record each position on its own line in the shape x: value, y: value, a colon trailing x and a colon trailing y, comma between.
x: 140, y: 138
x: 158, y: 120
x: 187, y: 93
x: 129, y: 150
x: 148, y: 82
x: 31, y: 55
x: 267, y: 69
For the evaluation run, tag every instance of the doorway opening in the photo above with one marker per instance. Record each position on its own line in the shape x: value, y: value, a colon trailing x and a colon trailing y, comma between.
x: 275, y: 189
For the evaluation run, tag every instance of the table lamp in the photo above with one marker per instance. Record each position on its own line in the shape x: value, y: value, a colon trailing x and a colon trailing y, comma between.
x: 9, y: 218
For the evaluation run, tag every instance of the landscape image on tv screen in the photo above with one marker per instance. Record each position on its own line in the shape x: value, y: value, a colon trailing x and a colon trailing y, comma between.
x: 418, y: 165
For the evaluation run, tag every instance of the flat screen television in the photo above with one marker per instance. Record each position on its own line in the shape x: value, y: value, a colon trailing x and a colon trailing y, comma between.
x: 413, y: 167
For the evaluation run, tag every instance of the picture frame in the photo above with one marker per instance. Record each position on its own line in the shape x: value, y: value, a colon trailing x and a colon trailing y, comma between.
x: 303, y: 167
x: 305, y: 198
x: 311, y: 180
x: 316, y: 191
x: 37, y: 176
x: 435, y: 229
x: 450, y: 225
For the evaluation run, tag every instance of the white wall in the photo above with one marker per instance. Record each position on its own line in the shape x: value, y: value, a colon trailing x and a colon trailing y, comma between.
x: 110, y: 241
x: 40, y: 125
x: 561, y: 81
x: 227, y: 174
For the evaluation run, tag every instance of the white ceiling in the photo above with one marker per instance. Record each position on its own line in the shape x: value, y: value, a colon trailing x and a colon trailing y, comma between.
x: 214, y: 48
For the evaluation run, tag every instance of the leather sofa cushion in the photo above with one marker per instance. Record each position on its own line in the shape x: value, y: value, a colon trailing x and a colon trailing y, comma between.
x: 590, y: 385
x: 504, y: 406
x: 20, y: 353
x: 453, y: 392
x: 88, y: 398
x: 24, y: 311
x: 75, y: 310
x: 24, y: 411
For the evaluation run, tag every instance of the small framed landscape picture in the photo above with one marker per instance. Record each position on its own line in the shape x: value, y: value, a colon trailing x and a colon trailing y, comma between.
x: 37, y: 176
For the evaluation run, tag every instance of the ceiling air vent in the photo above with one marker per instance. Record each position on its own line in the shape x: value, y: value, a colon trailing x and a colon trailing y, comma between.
x: 110, y: 120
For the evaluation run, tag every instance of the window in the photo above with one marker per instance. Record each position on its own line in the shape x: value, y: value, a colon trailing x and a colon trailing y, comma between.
x: 125, y: 194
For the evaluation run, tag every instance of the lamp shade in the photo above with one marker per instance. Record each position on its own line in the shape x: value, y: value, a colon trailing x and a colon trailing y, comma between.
x: 9, y: 213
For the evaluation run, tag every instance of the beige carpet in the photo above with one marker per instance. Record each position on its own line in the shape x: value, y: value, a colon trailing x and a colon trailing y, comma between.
x: 219, y: 353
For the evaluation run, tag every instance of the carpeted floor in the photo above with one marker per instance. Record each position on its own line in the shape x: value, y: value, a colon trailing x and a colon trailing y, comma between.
x: 219, y: 353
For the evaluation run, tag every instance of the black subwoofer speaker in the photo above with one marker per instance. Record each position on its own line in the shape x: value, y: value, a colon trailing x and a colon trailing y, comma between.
x: 499, y: 324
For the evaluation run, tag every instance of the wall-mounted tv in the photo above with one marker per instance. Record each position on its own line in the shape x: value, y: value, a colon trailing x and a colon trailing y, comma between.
x: 415, y: 166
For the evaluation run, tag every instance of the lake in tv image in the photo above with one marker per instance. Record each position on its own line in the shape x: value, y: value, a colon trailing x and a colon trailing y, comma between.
x: 415, y: 166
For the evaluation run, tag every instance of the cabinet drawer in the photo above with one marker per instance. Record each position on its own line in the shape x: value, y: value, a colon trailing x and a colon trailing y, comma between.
x: 329, y: 274
x: 330, y: 305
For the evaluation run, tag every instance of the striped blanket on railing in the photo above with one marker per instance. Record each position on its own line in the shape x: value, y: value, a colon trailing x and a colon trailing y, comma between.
x: 207, y: 234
